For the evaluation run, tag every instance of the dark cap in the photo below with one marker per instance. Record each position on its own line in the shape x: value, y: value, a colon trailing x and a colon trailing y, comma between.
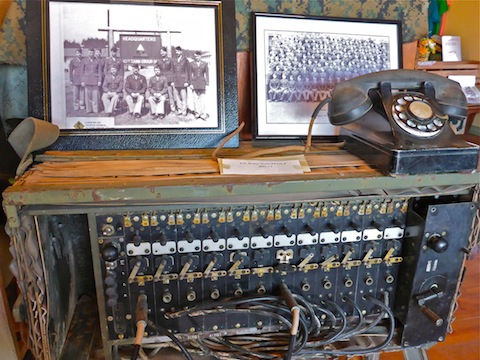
x: 163, y: 48
x: 178, y: 48
x: 114, y: 48
x: 198, y: 52
x: 134, y: 66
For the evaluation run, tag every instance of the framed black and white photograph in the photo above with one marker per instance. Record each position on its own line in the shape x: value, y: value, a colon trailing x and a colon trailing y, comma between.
x: 298, y: 60
x: 136, y: 74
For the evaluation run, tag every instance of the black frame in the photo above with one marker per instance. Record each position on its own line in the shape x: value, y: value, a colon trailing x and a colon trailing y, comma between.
x: 40, y: 83
x: 286, y: 116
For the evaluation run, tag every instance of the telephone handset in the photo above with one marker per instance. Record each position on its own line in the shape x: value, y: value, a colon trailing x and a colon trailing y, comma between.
x: 398, y: 116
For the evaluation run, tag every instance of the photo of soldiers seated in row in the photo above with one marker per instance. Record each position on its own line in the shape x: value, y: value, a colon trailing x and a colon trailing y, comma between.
x: 305, y: 67
x: 174, y: 87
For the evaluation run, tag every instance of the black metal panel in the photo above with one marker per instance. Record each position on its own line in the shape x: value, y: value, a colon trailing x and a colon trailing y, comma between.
x: 433, y: 255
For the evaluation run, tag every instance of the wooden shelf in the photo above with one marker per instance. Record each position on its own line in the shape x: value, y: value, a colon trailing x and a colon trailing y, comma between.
x: 447, y: 68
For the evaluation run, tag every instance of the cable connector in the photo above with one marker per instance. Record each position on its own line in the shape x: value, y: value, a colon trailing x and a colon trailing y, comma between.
x: 141, y: 316
x: 293, y: 305
x: 141, y: 310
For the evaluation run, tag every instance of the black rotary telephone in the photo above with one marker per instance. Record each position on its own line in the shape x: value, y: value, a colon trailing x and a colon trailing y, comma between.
x: 399, y: 120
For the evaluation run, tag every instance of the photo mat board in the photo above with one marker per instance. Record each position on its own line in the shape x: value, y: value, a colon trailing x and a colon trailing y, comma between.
x: 175, y: 80
x: 298, y: 60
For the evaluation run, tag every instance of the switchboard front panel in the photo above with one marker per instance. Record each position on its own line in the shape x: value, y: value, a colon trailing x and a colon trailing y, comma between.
x: 194, y: 264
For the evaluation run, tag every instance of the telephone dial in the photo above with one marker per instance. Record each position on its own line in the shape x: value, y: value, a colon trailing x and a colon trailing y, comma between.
x: 399, y: 120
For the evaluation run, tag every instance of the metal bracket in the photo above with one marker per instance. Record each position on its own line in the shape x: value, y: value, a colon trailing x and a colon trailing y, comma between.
x: 415, y: 354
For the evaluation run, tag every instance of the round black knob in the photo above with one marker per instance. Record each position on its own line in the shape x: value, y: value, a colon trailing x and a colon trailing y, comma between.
x: 109, y: 252
x: 110, y: 281
x: 437, y: 243
x: 112, y: 300
x: 111, y: 292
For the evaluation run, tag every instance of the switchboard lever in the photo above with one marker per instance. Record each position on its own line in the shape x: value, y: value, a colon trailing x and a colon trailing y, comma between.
x: 235, y: 266
x: 133, y: 274
x: 389, y: 253
x: 214, y: 235
x: 188, y: 236
x: 398, y: 223
x: 368, y: 255
x: 210, y: 266
x: 433, y: 293
x: 437, y: 243
x: 262, y: 232
x: 162, y: 238
x: 237, y: 233
x: 286, y: 231
x: 328, y: 261
x: 141, y: 316
x: 355, y: 226
x: 310, y: 229
x: 137, y: 239
x: 306, y: 260
x: 185, y: 268
x: 378, y: 226
x: 431, y: 315
x: 159, y: 271
x: 333, y: 227
x: 347, y: 256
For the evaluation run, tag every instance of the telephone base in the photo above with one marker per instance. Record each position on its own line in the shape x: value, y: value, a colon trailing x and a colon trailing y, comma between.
x: 462, y: 157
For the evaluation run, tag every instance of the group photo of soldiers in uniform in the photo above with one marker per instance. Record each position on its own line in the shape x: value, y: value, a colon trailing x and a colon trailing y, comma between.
x: 104, y: 86
x: 305, y: 66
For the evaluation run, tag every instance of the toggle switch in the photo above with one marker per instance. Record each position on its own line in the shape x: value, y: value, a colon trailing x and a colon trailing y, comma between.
x: 355, y: 226
x: 262, y: 232
x: 377, y: 225
x: 333, y: 228
x: 310, y: 229
x: 188, y: 236
x: 286, y: 231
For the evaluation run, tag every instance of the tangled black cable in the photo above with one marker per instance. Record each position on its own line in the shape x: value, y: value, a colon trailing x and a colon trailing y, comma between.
x: 323, y: 328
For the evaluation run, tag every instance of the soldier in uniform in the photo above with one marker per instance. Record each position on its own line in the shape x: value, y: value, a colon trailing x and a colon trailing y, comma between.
x: 91, y: 81
x: 135, y: 87
x: 157, y: 88
x: 181, y: 80
x: 101, y: 63
x: 198, y: 83
x: 75, y: 72
x: 112, y: 90
x: 165, y: 64
x: 113, y: 60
